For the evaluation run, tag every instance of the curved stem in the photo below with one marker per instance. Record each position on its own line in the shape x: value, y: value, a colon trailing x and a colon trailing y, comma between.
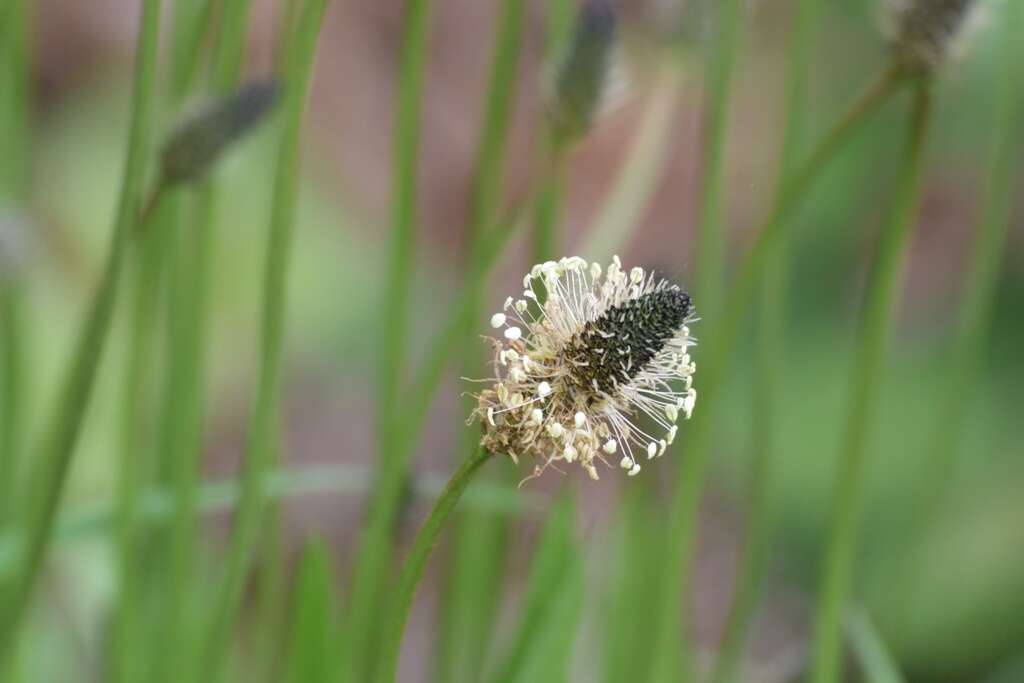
x: 875, y: 330
x: 722, y: 337
x: 415, y: 563
x: 370, y: 571
x: 262, y: 437
x: 54, y: 458
x: 769, y: 375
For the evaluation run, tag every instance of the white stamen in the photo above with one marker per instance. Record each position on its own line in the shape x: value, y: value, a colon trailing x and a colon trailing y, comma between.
x: 497, y: 320
x: 543, y: 389
x: 610, y: 446
x: 537, y: 416
x: 580, y: 419
x: 490, y: 417
x: 635, y: 470
x: 556, y: 430
x: 513, y: 333
x: 652, y: 450
x: 569, y: 453
x: 625, y: 463
x: 688, y: 403
x: 672, y: 413
x: 671, y: 436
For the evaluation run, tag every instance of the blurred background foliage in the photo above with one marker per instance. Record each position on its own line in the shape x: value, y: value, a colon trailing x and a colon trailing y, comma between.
x: 947, y: 599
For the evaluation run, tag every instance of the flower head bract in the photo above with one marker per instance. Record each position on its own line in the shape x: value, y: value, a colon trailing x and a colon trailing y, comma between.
x: 592, y: 367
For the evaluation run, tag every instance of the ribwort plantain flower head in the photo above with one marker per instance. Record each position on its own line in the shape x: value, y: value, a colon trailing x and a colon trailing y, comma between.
x: 585, y: 76
x: 598, y: 373
x: 193, y: 149
x: 926, y: 33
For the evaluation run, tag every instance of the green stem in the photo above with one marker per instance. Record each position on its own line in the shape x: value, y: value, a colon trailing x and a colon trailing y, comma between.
x: 868, y: 374
x: 12, y: 390
x: 474, y: 574
x: 188, y: 316
x: 720, y: 341
x: 371, y: 570
x: 54, y: 457
x: 547, y: 211
x: 145, y: 280
x: 265, y: 417
x: 15, y: 97
x: 770, y: 360
x: 415, y: 563
x: 711, y: 243
x: 977, y: 303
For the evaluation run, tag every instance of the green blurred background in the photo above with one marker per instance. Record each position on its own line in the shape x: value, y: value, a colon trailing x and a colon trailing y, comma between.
x: 947, y: 597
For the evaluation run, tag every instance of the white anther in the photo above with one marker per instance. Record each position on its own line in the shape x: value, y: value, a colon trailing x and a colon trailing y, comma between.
x: 636, y: 276
x: 635, y: 470
x: 528, y: 293
x: 610, y: 446
x: 652, y: 450
x: 517, y: 375
x: 595, y: 270
x: 543, y: 389
x: 580, y: 419
x: 662, y: 445
x: 688, y: 403
x: 537, y: 416
x: 569, y: 453
x: 556, y: 430
x: 672, y: 413
x: 490, y: 417
x: 513, y: 333
x: 508, y: 302
x: 671, y: 436
x: 497, y: 320
x: 626, y: 462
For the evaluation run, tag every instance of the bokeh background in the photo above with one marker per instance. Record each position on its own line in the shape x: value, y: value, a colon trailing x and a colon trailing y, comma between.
x: 965, y: 570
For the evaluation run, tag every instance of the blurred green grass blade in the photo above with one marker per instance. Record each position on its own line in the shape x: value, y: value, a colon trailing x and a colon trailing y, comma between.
x: 710, y: 248
x: 193, y: 260
x: 977, y: 302
x: 315, y: 624
x: 636, y: 553
x: 876, y: 662
x: 54, y: 458
x: 848, y: 499
x: 15, y: 58
x: 637, y: 180
x: 14, y: 135
x: 770, y: 376
x: 719, y: 342
x: 399, y: 602
x: 190, y: 24
x: 552, y: 605
x: 264, y: 420
x: 471, y: 594
x: 372, y: 568
x: 135, y: 446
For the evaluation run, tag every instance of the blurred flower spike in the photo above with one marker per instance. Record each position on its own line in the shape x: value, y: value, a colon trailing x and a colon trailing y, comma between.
x: 198, y: 144
x: 926, y: 33
x: 583, y: 80
x: 589, y: 375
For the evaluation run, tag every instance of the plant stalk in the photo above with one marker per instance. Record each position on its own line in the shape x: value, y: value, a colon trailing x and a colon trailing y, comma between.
x: 416, y: 561
x: 848, y: 500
